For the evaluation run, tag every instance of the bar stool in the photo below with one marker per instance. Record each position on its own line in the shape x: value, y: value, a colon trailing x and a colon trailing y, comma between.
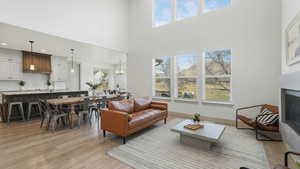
x: 32, y: 104
x: 10, y: 106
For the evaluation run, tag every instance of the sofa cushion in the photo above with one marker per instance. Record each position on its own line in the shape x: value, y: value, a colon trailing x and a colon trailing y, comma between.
x: 139, y: 118
x: 142, y: 103
x: 125, y: 105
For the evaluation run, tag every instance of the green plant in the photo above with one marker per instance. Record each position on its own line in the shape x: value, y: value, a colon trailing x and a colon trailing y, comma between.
x: 49, y: 83
x: 93, y: 86
x: 298, y: 164
x: 22, y: 83
x: 196, y: 117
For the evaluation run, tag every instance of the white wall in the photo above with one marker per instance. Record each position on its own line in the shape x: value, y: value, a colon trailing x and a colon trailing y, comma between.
x: 290, y: 8
x: 251, y: 28
x: 100, y: 22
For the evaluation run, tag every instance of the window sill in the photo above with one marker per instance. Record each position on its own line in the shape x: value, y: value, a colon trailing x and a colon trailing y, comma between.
x: 186, y: 100
x: 161, y: 98
x: 216, y: 102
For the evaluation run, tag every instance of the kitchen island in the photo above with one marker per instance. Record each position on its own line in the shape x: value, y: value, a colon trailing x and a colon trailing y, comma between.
x: 30, y: 96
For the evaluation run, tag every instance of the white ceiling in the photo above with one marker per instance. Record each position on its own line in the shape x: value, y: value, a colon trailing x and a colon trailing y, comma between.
x: 17, y: 38
x: 100, y: 22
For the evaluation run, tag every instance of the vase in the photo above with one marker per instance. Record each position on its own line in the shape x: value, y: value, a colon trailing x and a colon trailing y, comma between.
x: 196, y: 122
x: 21, y: 88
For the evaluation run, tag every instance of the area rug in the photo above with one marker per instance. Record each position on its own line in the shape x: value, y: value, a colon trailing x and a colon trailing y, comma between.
x: 159, y: 148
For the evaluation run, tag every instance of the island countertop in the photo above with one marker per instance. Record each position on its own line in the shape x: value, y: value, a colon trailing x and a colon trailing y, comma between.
x: 26, y: 92
x: 7, y: 97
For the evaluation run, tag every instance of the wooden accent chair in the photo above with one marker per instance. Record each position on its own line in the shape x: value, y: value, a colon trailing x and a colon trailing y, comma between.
x: 255, y: 125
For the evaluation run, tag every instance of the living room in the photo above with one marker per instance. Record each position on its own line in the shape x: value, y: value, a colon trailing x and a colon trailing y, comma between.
x: 150, y: 84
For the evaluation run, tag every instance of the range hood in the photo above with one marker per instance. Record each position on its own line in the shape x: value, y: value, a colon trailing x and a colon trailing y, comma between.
x: 41, y: 62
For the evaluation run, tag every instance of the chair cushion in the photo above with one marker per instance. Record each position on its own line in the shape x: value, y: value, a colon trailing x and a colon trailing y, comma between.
x: 265, y: 111
x: 125, y: 105
x: 268, y: 119
x: 142, y: 103
x: 253, y: 124
x: 138, y: 118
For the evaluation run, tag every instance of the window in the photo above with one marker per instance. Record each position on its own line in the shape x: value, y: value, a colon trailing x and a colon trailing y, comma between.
x: 186, y: 8
x: 186, y: 76
x: 211, y: 5
x: 217, y: 72
x: 162, y: 12
x: 162, y: 77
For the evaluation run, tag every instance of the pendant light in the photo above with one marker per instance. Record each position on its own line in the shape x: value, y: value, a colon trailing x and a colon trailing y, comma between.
x: 31, y: 66
x: 72, y: 55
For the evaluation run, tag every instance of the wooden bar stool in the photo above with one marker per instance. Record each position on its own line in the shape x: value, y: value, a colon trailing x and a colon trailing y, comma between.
x: 21, y: 110
x: 31, y: 105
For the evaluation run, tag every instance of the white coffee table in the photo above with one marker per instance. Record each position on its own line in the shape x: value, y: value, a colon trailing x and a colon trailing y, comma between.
x: 205, y: 137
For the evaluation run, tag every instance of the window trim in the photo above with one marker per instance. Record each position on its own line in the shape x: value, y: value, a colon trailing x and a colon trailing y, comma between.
x: 197, y: 77
x: 154, y: 79
x: 204, y: 76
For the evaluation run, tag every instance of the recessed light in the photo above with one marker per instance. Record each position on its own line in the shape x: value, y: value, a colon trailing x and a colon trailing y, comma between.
x: 3, y: 44
x: 43, y: 50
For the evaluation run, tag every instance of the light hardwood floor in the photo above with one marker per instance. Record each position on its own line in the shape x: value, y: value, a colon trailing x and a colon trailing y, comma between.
x: 23, y: 145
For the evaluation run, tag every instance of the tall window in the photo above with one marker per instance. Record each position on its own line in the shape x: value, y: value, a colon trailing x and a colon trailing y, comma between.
x: 211, y: 5
x: 186, y: 76
x: 162, y: 77
x: 217, y: 75
x: 186, y: 8
x: 162, y: 12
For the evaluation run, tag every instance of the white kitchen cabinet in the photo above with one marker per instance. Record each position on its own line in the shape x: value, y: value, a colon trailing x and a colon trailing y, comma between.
x: 5, y: 70
x: 15, y: 71
x: 10, y: 68
x: 59, y: 69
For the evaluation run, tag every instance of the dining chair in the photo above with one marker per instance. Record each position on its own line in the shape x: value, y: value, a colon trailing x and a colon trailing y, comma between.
x: 53, y: 116
x: 45, y: 113
x: 85, y: 111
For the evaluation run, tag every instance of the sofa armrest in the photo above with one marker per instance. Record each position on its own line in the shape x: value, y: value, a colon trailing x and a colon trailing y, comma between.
x: 115, y: 121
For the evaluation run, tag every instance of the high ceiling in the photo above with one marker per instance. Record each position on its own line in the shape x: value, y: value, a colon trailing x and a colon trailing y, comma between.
x: 17, y: 38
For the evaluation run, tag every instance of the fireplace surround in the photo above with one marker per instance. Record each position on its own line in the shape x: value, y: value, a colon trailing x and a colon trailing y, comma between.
x: 291, y: 108
x: 290, y: 97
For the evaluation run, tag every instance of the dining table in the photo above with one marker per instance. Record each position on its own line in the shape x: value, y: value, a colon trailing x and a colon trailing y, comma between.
x: 72, y: 102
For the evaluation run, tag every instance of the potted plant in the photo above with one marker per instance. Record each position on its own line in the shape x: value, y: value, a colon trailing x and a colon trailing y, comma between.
x: 49, y: 84
x: 22, y: 84
x: 196, y: 117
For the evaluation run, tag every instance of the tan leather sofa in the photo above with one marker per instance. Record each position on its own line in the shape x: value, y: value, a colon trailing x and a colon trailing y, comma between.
x: 131, y: 115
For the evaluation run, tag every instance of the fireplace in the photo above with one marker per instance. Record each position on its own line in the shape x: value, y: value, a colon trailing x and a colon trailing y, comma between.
x: 291, y: 109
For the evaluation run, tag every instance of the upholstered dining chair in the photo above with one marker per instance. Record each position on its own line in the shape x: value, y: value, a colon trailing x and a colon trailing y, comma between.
x: 254, y: 124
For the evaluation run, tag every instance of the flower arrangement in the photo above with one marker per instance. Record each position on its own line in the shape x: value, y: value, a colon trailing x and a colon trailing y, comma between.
x: 93, y: 86
x: 196, y: 117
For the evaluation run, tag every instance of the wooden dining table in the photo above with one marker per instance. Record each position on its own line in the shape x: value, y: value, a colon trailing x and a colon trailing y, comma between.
x: 74, y: 101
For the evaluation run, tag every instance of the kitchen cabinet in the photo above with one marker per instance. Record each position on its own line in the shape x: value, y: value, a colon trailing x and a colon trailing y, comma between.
x: 10, y: 68
x: 60, y: 69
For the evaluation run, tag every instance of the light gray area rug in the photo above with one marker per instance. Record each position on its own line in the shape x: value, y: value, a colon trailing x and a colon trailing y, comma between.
x: 159, y: 148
